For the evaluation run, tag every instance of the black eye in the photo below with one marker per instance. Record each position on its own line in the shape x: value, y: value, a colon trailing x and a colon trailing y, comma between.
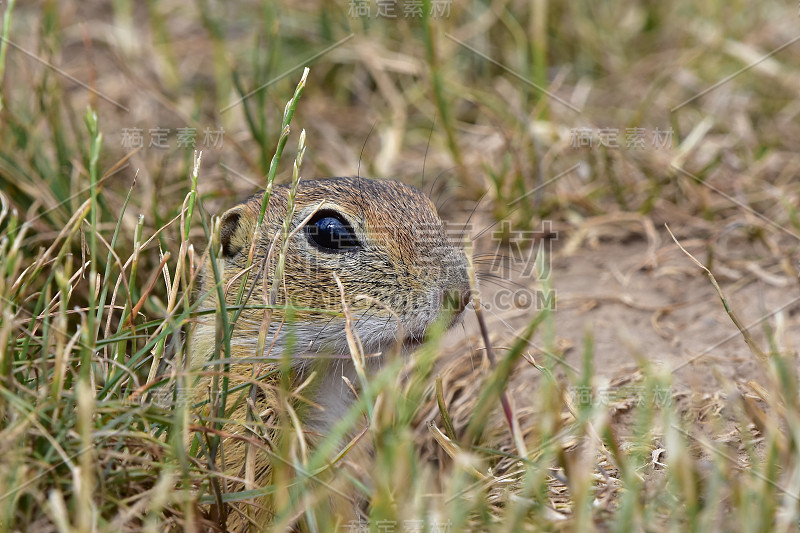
x: 329, y: 231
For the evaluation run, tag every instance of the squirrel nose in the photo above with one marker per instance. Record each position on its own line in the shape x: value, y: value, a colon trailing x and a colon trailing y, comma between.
x: 456, y: 300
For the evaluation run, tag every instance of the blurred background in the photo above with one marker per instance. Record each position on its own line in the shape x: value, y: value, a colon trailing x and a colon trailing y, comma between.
x: 485, y: 97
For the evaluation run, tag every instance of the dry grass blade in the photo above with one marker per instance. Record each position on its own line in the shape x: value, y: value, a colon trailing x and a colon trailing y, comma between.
x: 751, y: 343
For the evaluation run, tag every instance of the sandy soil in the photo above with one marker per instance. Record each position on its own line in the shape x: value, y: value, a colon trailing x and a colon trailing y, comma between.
x: 644, y: 302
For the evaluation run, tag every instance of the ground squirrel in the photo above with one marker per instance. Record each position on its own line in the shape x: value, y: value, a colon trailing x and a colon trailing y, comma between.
x: 384, y: 241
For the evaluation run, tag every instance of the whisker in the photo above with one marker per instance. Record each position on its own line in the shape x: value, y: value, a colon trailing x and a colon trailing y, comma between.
x: 436, y: 179
x: 328, y: 323
x: 363, y: 147
x: 502, y: 282
x: 425, y: 159
x: 365, y: 316
x: 446, y: 189
x: 386, y: 323
x: 463, y: 229
x: 507, y: 266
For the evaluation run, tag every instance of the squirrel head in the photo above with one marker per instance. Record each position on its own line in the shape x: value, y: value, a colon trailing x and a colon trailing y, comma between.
x: 381, y: 238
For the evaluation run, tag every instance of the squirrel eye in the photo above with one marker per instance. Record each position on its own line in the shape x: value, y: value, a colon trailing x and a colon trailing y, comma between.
x: 330, y: 232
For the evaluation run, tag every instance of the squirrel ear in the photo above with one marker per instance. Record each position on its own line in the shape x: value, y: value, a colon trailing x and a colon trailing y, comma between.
x: 228, y: 226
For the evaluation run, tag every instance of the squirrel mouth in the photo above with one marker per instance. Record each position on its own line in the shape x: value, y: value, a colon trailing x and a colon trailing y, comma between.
x: 415, y: 338
x: 452, y: 308
x: 412, y: 342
